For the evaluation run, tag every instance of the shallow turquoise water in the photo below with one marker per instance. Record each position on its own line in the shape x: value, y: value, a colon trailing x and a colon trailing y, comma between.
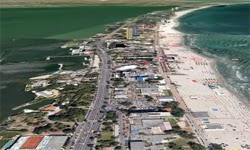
x: 223, y: 32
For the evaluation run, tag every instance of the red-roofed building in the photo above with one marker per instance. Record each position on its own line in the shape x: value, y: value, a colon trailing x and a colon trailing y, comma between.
x: 32, y: 142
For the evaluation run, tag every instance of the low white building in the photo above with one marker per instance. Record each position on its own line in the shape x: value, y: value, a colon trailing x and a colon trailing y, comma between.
x: 47, y: 93
x: 121, y: 96
x: 125, y: 68
x: 75, y: 51
x: 116, y: 130
x: 163, y: 99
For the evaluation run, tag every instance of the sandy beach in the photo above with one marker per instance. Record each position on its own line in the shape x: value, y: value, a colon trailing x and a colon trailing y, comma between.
x: 220, y: 116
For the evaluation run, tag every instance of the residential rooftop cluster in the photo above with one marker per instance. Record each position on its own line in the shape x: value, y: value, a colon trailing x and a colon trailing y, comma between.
x: 148, y: 130
x: 147, y: 114
x: 38, y: 142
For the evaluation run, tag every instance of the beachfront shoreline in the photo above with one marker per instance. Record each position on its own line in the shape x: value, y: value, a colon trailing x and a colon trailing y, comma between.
x: 222, y: 108
x: 212, y: 60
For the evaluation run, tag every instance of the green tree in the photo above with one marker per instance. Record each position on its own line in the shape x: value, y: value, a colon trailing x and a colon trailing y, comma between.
x: 177, y: 112
x: 174, y: 146
x: 214, y: 146
x: 196, y: 146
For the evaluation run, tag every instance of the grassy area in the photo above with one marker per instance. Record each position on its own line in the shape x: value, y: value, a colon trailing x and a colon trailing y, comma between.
x: 175, y: 109
x: 106, y: 139
x: 179, y: 144
x: 69, y: 115
x: 55, y: 127
x: 168, y: 93
x: 41, y: 129
x: 36, y: 105
x: 106, y: 136
x: 196, y: 146
x: 34, y: 119
x: 111, y: 115
x: 72, y: 43
x: 79, y: 98
x: 3, y: 141
x: 172, y: 121
x: 184, y: 144
x: 117, y: 81
x: 6, y: 136
x: 185, y: 135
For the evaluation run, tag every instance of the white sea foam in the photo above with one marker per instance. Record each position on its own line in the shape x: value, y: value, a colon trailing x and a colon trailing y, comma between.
x: 240, y: 76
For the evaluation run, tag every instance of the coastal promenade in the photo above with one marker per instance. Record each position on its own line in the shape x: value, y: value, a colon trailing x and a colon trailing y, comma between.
x: 196, y: 129
x: 215, y: 114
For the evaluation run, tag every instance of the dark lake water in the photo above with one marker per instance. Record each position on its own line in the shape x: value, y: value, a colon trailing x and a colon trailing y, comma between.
x: 29, y: 35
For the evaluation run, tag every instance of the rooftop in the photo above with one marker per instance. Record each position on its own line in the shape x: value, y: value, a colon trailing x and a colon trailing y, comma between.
x: 40, y: 142
x: 32, y: 142
x: 137, y: 145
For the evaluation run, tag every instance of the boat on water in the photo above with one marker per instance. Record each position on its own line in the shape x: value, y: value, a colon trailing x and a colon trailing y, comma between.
x: 235, y: 59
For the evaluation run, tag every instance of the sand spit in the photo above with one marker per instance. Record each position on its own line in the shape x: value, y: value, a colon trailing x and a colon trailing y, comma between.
x: 220, y: 116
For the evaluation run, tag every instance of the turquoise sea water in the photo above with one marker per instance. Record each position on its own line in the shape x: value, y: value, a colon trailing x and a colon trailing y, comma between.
x: 223, y: 32
x: 29, y: 35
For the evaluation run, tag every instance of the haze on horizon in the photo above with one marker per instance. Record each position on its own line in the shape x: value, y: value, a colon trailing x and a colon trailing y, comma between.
x: 55, y: 3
